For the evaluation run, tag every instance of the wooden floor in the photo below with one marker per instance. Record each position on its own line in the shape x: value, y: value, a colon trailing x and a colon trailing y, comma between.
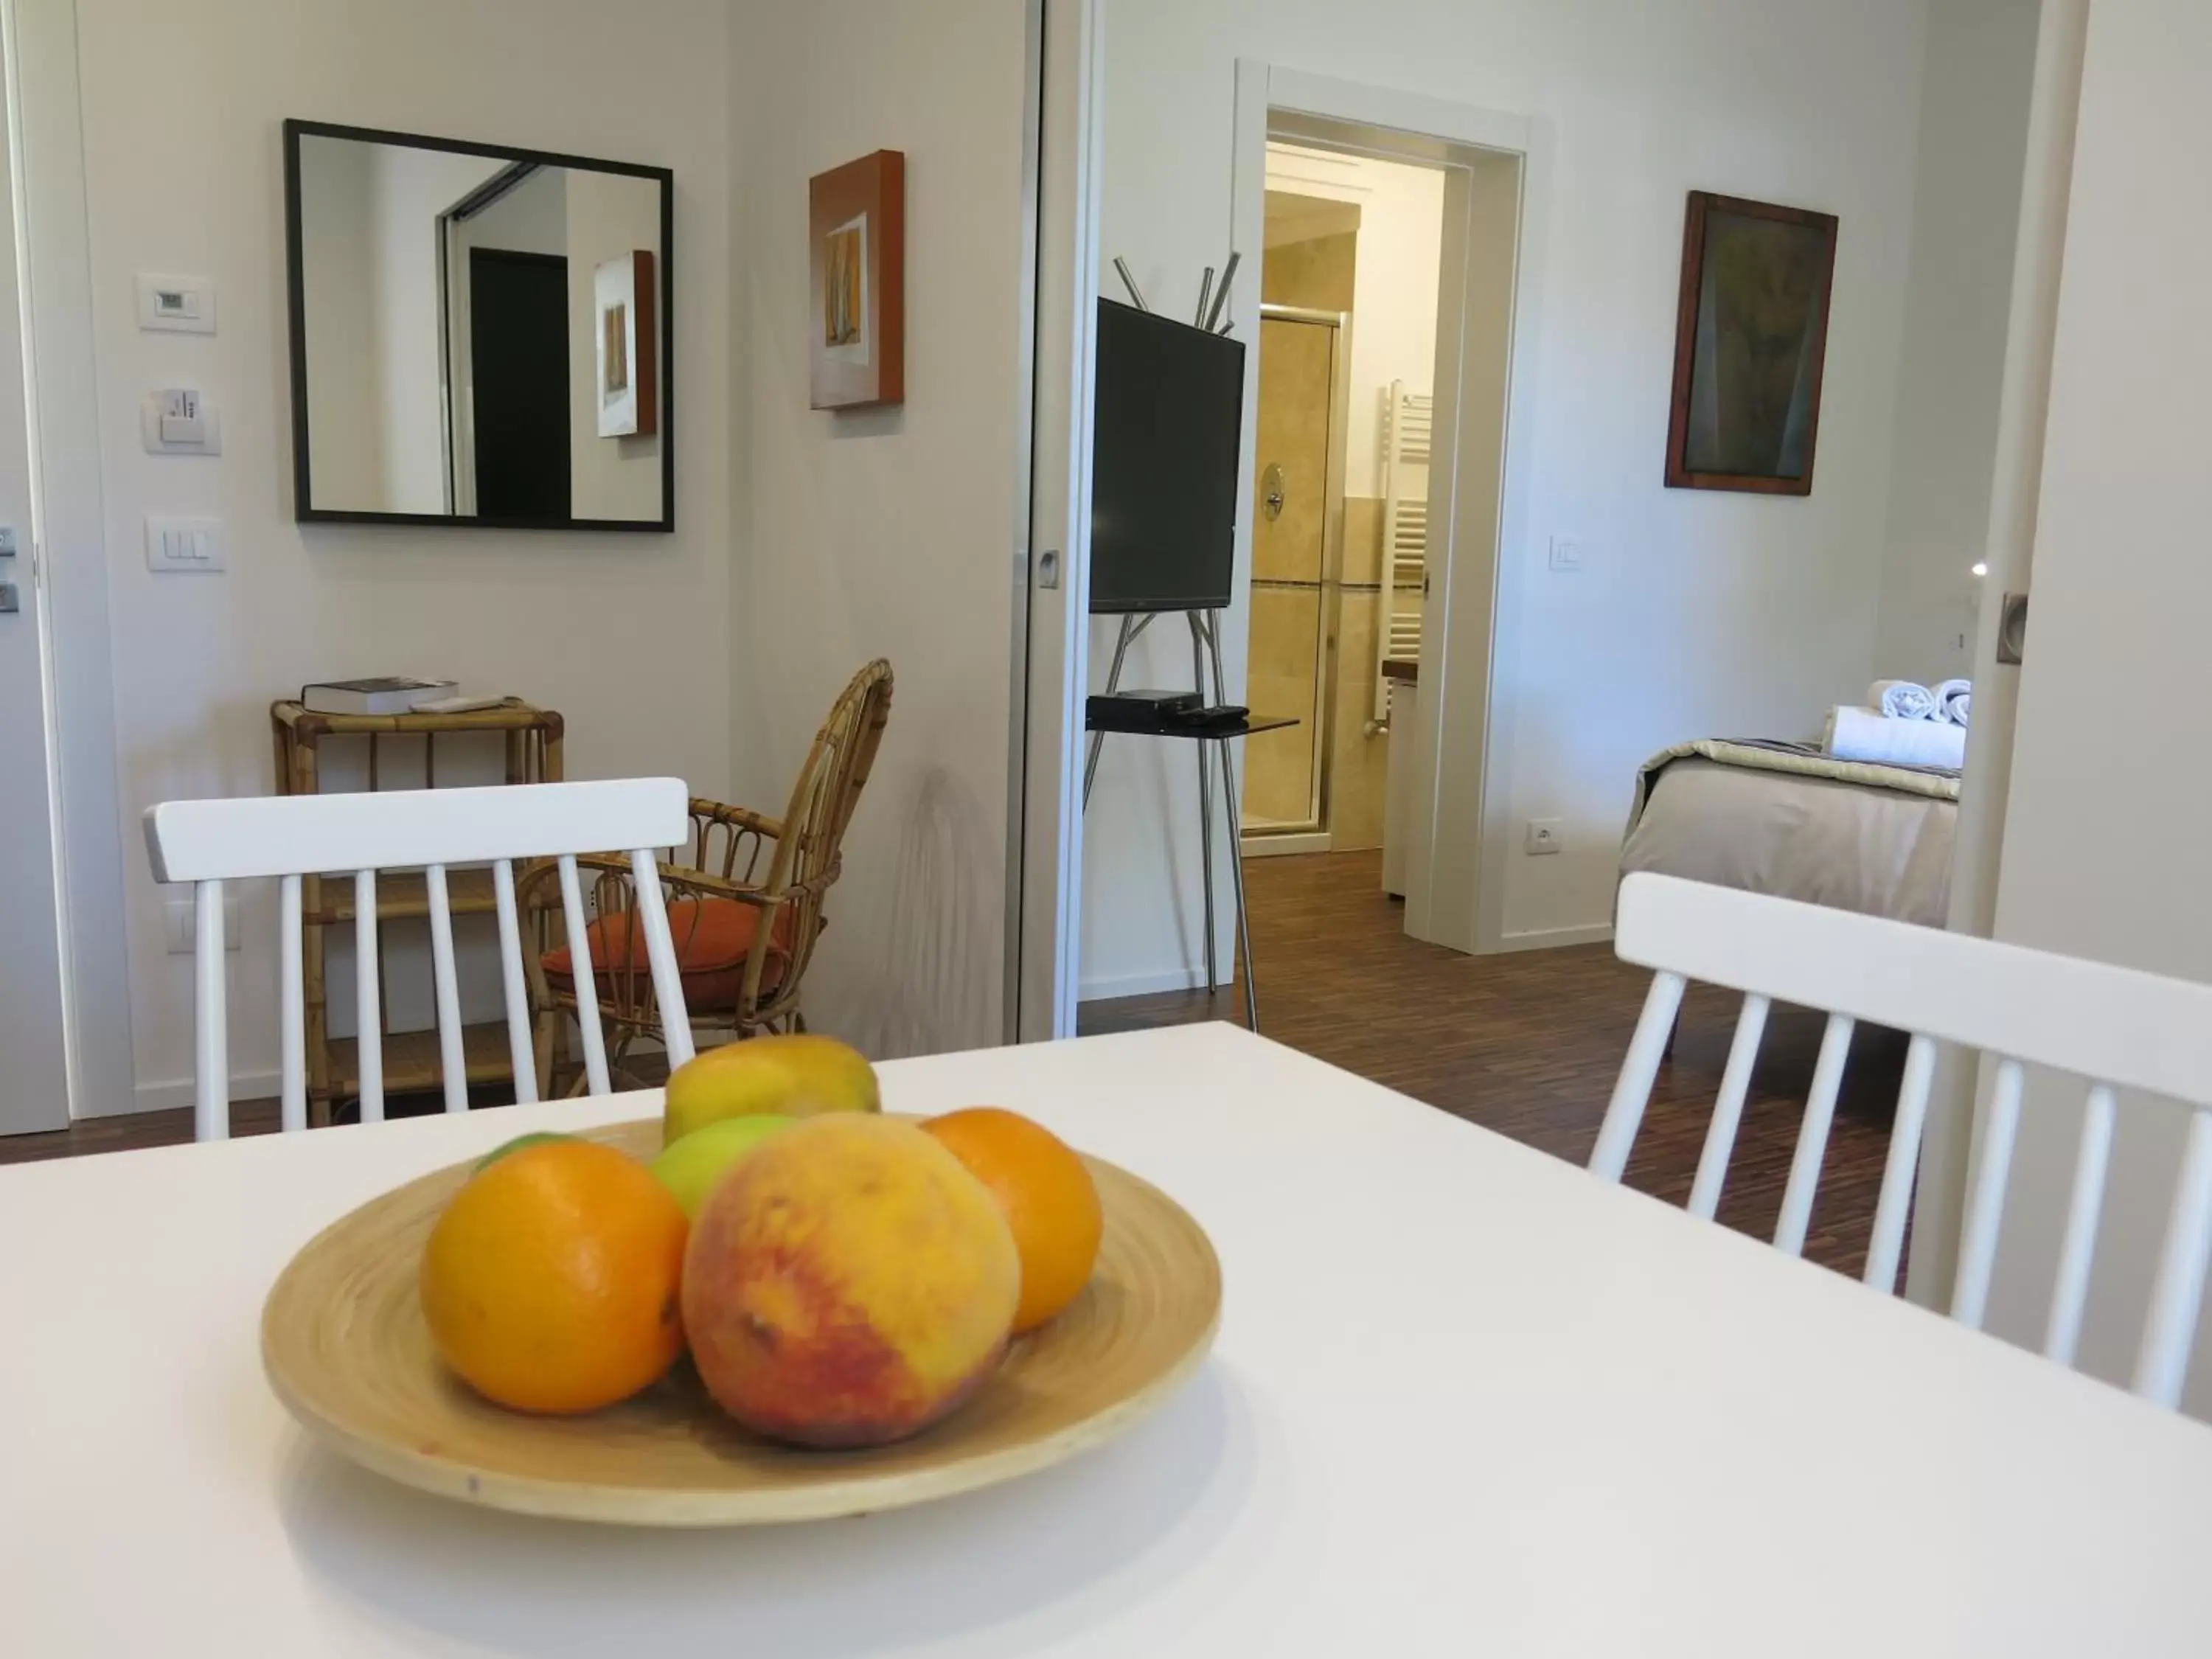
x: 1528, y: 1044
x: 174, y: 1127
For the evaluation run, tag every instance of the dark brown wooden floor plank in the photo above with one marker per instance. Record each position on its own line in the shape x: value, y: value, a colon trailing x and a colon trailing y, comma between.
x: 1528, y: 1044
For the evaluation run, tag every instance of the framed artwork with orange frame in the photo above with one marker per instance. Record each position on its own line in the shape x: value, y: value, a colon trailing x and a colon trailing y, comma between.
x: 857, y: 225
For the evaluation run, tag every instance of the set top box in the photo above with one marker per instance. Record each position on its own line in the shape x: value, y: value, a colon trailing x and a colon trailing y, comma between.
x: 1145, y: 705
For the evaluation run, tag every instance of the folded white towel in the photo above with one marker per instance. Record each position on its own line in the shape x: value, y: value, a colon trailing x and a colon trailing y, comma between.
x: 1905, y: 700
x: 1955, y: 700
x: 1864, y: 734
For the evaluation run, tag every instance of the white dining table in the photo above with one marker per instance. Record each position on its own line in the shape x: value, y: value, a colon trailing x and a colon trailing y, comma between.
x: 1465, y: 1400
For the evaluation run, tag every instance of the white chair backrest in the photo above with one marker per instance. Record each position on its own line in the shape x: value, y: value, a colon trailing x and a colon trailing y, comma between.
x: 2113, y: 1027
x: 208, y: 842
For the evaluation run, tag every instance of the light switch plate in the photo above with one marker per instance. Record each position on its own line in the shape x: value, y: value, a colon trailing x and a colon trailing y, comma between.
x: 168, y: 420
x: 191, y: 545
x: 180, y: 927
x: 176, y: 304
x: 1567, y: 555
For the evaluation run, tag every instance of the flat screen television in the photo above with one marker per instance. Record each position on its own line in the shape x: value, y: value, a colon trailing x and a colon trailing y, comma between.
x: 1167, y: 421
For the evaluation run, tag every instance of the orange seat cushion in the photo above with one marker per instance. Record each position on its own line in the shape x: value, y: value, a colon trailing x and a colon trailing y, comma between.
x: 712, y: 936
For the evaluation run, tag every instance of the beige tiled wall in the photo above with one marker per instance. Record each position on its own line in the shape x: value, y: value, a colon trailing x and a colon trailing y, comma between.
x: 1280, y: 684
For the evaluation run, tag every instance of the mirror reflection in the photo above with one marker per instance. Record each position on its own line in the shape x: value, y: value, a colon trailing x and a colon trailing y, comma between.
x: 477, y: 337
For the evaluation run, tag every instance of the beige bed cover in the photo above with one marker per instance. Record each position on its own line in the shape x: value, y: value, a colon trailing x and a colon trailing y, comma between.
x: 1786, y: 819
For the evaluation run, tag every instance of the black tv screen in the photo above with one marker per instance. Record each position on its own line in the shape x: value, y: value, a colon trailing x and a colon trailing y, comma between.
x: 1167, y: 421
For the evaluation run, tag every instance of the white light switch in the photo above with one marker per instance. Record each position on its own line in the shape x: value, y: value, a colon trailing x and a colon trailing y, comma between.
x: 181, y: 925
x: 1565, y: 555
x: 177, y: 305
x: 183, y: 543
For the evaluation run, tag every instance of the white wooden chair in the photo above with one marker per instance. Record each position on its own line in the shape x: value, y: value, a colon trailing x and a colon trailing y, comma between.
x: 2113, y: 1027
x: 208, y: 842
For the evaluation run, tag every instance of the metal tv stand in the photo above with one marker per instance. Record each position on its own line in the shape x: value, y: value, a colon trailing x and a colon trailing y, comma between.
x: 1205, y: 662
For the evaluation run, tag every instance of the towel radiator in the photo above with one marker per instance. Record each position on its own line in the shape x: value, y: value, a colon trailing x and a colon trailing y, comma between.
x: 1408, y: 420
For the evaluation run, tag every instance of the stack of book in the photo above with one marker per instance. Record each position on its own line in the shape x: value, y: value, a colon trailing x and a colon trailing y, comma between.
x: 390, y: 695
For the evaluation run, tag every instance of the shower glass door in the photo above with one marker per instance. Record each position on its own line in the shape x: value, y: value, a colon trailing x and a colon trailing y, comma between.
x: 1297, y: 521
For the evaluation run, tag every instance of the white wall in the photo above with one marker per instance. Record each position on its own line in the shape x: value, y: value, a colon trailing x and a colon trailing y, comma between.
x: 369, y: 256
x: 627, y: 635
x: 1393, y: 309
x: 338, y: 260
x: 1974, y: 125
x: 609, y: 217
x: 411, y: 189
x: 890, y: 532
x: 2121, y: 587
x: 1697, y: 613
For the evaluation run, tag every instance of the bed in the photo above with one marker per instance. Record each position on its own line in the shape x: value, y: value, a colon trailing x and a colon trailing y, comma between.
x: 1786, y: 819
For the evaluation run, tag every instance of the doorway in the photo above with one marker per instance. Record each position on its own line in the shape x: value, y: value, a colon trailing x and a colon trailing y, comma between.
x: 518, y: 373
x: 1114, y: 909
x: 1353, y: 242
x: 1376, y: 504
x: 34, y: 1091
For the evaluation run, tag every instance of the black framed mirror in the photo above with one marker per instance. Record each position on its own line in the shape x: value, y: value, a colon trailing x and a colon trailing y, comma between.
x: 480, y: 335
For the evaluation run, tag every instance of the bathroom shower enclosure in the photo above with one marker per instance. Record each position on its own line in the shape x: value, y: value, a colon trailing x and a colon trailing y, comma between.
x: 1297, y: 562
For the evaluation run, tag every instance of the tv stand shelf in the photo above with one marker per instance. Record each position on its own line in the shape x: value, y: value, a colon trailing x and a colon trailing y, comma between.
x: 1212, y: 741
x: 1159, y: 728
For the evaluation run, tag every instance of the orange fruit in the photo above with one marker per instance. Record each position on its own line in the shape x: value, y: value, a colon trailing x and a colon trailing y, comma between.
x: 1048, y: 1195
x: 552, y: 1281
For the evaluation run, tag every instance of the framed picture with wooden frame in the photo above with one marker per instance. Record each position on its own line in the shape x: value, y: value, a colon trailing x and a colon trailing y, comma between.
x: 857, y: 330
x: 1750, y: 338
x: 625, y: 346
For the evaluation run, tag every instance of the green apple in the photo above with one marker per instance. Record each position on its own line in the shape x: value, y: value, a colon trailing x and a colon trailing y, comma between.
x: 692, y: 1167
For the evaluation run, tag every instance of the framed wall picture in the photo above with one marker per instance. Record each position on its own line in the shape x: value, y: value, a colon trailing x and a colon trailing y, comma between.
x: 857, y: 328
x: 629, y: 386
x: 1750, y: 337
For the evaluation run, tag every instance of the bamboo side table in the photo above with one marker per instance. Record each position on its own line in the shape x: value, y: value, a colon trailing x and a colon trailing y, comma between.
x: 410, y: 1058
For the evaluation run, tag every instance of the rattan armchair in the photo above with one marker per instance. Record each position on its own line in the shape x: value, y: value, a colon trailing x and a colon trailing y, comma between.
x: 745, y: 911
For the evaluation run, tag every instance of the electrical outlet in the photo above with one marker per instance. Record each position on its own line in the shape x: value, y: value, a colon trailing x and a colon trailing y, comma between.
x: 1546, y: 835
x: 181, y: 924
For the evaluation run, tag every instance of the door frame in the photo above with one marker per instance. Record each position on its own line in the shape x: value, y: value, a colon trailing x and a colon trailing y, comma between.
x: 1051, y: 656
x: 1472, y: 713
x: 55, y: 267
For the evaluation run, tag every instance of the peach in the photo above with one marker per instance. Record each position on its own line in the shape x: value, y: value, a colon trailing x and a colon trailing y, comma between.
x: 848, y: 1283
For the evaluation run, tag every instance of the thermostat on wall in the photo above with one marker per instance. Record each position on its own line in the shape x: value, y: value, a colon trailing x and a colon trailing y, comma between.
x: 181, y: 305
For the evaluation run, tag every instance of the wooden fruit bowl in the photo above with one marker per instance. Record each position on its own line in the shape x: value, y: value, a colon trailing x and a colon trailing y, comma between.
x: 346, y: 1349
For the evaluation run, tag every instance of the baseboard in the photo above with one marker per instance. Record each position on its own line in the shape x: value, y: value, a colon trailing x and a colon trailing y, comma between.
x: 1141, y: 985
x: 1288, y: 842
x: 1551, y: 938
x: 167, y: 1096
